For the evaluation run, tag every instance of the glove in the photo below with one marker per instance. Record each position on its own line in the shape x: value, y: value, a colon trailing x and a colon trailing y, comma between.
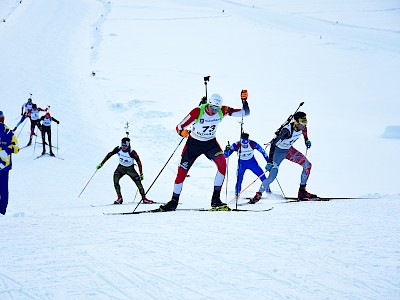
x: 308, y: 144
x: 141, y: 176
x: 58, y: 122
x: 99, y: 166
x: 183, y: 133
x: 268, y: 167
x: 228, y: 147
x: 244, y: 95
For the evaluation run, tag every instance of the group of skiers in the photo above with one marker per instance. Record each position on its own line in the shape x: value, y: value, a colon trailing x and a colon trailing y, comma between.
x: 31, y: 111
x: 199, y: 127
x: 9, y: 142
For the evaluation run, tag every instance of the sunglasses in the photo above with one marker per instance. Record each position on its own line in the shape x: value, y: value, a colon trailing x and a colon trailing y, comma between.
x: 214, y: 107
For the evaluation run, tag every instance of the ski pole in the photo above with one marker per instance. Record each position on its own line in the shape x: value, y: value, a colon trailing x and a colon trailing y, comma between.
x: 227, y: 176
x: 23, y: 125
x: 87, y: 184
x: 135, y: 196
x: 57, y: 139
x: 159, y: 173
x: 240, y: 150
x: 206, y: 79
x: 34, y: 147
x: 281, y: 188
x: 237, y: 196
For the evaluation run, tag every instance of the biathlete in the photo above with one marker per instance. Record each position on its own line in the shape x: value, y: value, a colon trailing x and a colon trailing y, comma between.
x: 127, y: 158
x: 281, y: 148
x: 245, y: 147
x: 204, y: 121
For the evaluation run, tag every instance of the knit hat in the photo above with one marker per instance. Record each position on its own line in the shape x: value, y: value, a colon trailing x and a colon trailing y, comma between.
x: 300, y: 117
x: 125, y: 141
x: 245, y: 138
x: 1, y: 117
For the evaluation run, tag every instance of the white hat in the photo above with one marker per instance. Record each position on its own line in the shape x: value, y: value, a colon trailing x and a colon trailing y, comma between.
x: 215, y: 99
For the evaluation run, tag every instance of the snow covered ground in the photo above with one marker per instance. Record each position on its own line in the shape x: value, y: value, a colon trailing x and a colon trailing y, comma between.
x: 148, y: 59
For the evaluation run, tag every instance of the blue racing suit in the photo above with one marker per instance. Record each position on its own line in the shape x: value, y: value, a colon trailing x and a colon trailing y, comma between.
x: 8, y: 146
x: 247, y: 161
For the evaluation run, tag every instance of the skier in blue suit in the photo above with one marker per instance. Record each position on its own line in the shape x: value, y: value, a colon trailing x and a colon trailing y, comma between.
x: 8, y: 146
x: 247, y: 161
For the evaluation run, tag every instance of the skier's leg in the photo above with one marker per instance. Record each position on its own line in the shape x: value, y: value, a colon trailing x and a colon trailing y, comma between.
x: 279, y: 156
x: 240, y: 175
x: 136, y: 179
x: 118, y: 174
x: 297, y: 157
x: 3, y: 192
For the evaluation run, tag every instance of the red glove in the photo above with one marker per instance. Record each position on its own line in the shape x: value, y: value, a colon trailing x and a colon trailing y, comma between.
x: 244, y: 95
x: 184, y: 133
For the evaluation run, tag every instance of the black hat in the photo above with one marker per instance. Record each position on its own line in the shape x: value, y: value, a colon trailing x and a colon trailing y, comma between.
x: 125, y: 141
x: 299, y: 115
x: 245, y: 135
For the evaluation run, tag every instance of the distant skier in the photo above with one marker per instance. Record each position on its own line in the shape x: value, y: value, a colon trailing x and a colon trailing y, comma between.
x: 46, y: 128
x: 127, y: 158
x: 35, y: 121
x: 25, y: 112
x: 281, y: 148
x: 204, y: 121
x: 247, y: 161
x: 8, y: 146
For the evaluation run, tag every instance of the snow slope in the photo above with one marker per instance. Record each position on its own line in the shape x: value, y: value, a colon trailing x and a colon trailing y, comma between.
x: 148, y: 59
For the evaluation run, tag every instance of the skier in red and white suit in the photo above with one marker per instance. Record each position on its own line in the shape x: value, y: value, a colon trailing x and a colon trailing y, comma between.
x: 202, y: 140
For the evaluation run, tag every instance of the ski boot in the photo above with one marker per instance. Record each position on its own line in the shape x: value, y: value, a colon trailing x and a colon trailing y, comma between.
x: 52, y: 154
x: 216, y: 202
x: 303, y: 195
x: 170, y: 205
x: 256, y: 198
x: 43, y: 152
x: 119, y: 200
x: 147, y: 201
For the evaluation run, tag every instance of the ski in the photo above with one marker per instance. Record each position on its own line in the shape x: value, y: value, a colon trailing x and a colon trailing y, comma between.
x: 46, y: 154
x: 110, y: 204
x: 185, y: 209
x: 126, y: 203
x: 245, y: 203
x: 295, y: 199
x: 265, y: 198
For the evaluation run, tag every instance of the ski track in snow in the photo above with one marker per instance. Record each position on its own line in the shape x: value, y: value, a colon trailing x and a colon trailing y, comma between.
x: 135, y: 259
x: 55, y: 246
